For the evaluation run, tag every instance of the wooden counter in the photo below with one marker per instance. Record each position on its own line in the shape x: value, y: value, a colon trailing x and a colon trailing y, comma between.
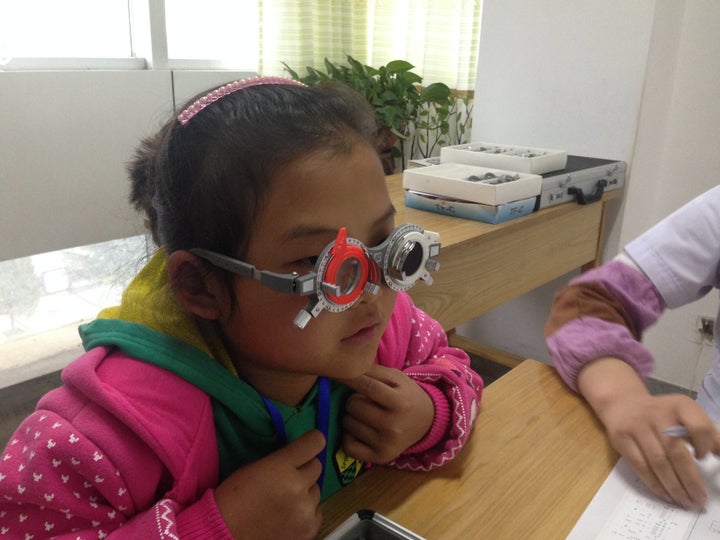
x: 534, y: 461
x: 483, y: 265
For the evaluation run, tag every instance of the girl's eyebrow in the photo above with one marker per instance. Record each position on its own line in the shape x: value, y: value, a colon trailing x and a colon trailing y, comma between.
x: 303, y: 231
x: 390, y: 212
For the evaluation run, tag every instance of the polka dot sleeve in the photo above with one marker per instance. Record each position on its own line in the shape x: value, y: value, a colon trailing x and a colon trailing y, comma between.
x: 444, y: 372
x: 55, y: 482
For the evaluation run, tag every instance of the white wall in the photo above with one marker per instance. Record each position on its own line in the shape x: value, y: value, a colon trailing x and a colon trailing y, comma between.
x: 64, y: 142
x: 633, y: 80
x: 676, y: 158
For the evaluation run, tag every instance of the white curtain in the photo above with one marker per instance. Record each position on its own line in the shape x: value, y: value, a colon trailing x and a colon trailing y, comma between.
x: 439, y: 38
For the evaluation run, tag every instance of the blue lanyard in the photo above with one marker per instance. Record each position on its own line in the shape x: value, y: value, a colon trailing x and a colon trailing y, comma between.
x: 323, y: 421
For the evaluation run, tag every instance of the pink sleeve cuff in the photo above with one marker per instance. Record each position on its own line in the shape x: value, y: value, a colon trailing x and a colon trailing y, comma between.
x: 203, y: 520
x: 441, y: 424
x: 630, y: 287
x: 572, y: 348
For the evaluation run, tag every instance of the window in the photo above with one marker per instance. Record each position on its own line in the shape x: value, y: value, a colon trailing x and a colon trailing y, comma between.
x: 173, y: 48
x: 221, y: 30
x: 64, y: 29
x: 58, y: 291
x: 80, y: 34
x: 246, y: 35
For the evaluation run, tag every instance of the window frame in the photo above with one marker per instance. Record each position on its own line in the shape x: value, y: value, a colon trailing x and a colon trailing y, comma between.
x: 69, y: 64
x: 149, y: 49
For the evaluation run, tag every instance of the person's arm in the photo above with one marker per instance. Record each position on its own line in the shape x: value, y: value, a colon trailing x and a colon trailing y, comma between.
x: 436, y: 394
x: 444, y: 372
x: 55, y: 480
x: 602, y: 313
x: 593, y: 334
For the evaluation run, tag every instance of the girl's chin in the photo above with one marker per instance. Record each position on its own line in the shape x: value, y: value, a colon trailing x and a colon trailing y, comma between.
x: 354, y: 371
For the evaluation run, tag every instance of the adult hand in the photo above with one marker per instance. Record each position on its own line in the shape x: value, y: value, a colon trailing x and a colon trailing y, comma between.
x: 276, y: 497
x: 665, y: 463
x: 635, y: 423
x: 388, y: 413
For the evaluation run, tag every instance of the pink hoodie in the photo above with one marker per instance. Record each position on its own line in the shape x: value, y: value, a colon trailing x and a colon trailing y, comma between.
x: 126, y: 449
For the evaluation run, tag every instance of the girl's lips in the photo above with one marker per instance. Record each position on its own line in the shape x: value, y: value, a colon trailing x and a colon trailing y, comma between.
x: 363, y: 335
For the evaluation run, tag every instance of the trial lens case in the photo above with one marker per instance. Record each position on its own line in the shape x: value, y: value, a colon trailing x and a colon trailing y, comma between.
x: 583, y: 178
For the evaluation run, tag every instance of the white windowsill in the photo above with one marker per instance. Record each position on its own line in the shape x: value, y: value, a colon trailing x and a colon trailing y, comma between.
x: 39, y: 354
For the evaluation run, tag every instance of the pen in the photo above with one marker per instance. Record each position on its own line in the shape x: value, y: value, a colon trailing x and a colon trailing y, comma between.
x: 677, y: 431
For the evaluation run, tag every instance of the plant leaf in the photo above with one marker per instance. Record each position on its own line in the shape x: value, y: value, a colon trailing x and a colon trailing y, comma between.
x: 399, y: 66
x: 435, y: 92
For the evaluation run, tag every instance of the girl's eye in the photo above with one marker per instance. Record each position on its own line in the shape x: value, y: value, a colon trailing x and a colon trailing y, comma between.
x: 381, y: 240
x: 308, y: 262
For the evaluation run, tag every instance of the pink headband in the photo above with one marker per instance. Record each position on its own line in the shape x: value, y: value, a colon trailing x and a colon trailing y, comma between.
x: 197, y: 106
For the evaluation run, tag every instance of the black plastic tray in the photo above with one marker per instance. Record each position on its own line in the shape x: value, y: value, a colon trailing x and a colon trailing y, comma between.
x: 369, y: 525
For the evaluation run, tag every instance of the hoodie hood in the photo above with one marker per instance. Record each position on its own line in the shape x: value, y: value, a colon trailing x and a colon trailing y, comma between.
x: 149, y: 325
x: 148, y: 309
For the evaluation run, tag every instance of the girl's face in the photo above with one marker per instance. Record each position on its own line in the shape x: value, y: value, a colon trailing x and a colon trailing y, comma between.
x: 309, y: 201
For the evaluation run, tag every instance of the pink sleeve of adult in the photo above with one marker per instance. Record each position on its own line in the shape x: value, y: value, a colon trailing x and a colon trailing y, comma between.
x: 602, y: 313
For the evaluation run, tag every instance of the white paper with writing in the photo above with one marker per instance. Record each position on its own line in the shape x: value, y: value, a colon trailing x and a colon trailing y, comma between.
x: 624, y: 509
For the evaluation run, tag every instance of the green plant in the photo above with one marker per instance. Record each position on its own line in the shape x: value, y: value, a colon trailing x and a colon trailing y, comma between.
x: 438, y: 125
x: 401, y: 103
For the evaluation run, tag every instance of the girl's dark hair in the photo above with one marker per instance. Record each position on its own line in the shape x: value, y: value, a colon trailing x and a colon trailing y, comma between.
x: 201, y: 184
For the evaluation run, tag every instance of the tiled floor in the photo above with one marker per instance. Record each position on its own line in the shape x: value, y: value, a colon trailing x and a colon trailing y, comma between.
x: 489, y: 371
x: 661, y: 387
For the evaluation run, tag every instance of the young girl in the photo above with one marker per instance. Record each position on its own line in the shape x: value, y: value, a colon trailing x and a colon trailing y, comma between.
x: 594, y: 333
x: 265, y: 353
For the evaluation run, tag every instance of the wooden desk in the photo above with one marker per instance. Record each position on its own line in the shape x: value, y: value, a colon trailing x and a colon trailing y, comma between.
x: 483, y: 266
x: 535, y: 459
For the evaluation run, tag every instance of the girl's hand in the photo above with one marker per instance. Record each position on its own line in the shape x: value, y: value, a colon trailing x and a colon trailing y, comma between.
x: 388, y: 413
x: 635, y: 422
x: 276, y: 497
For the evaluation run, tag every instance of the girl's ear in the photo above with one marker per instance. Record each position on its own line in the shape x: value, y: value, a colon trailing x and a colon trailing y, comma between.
x: 198, y: 291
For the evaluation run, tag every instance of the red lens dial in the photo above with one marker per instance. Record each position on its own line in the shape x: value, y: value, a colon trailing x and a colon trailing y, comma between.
x: 347, y: 268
